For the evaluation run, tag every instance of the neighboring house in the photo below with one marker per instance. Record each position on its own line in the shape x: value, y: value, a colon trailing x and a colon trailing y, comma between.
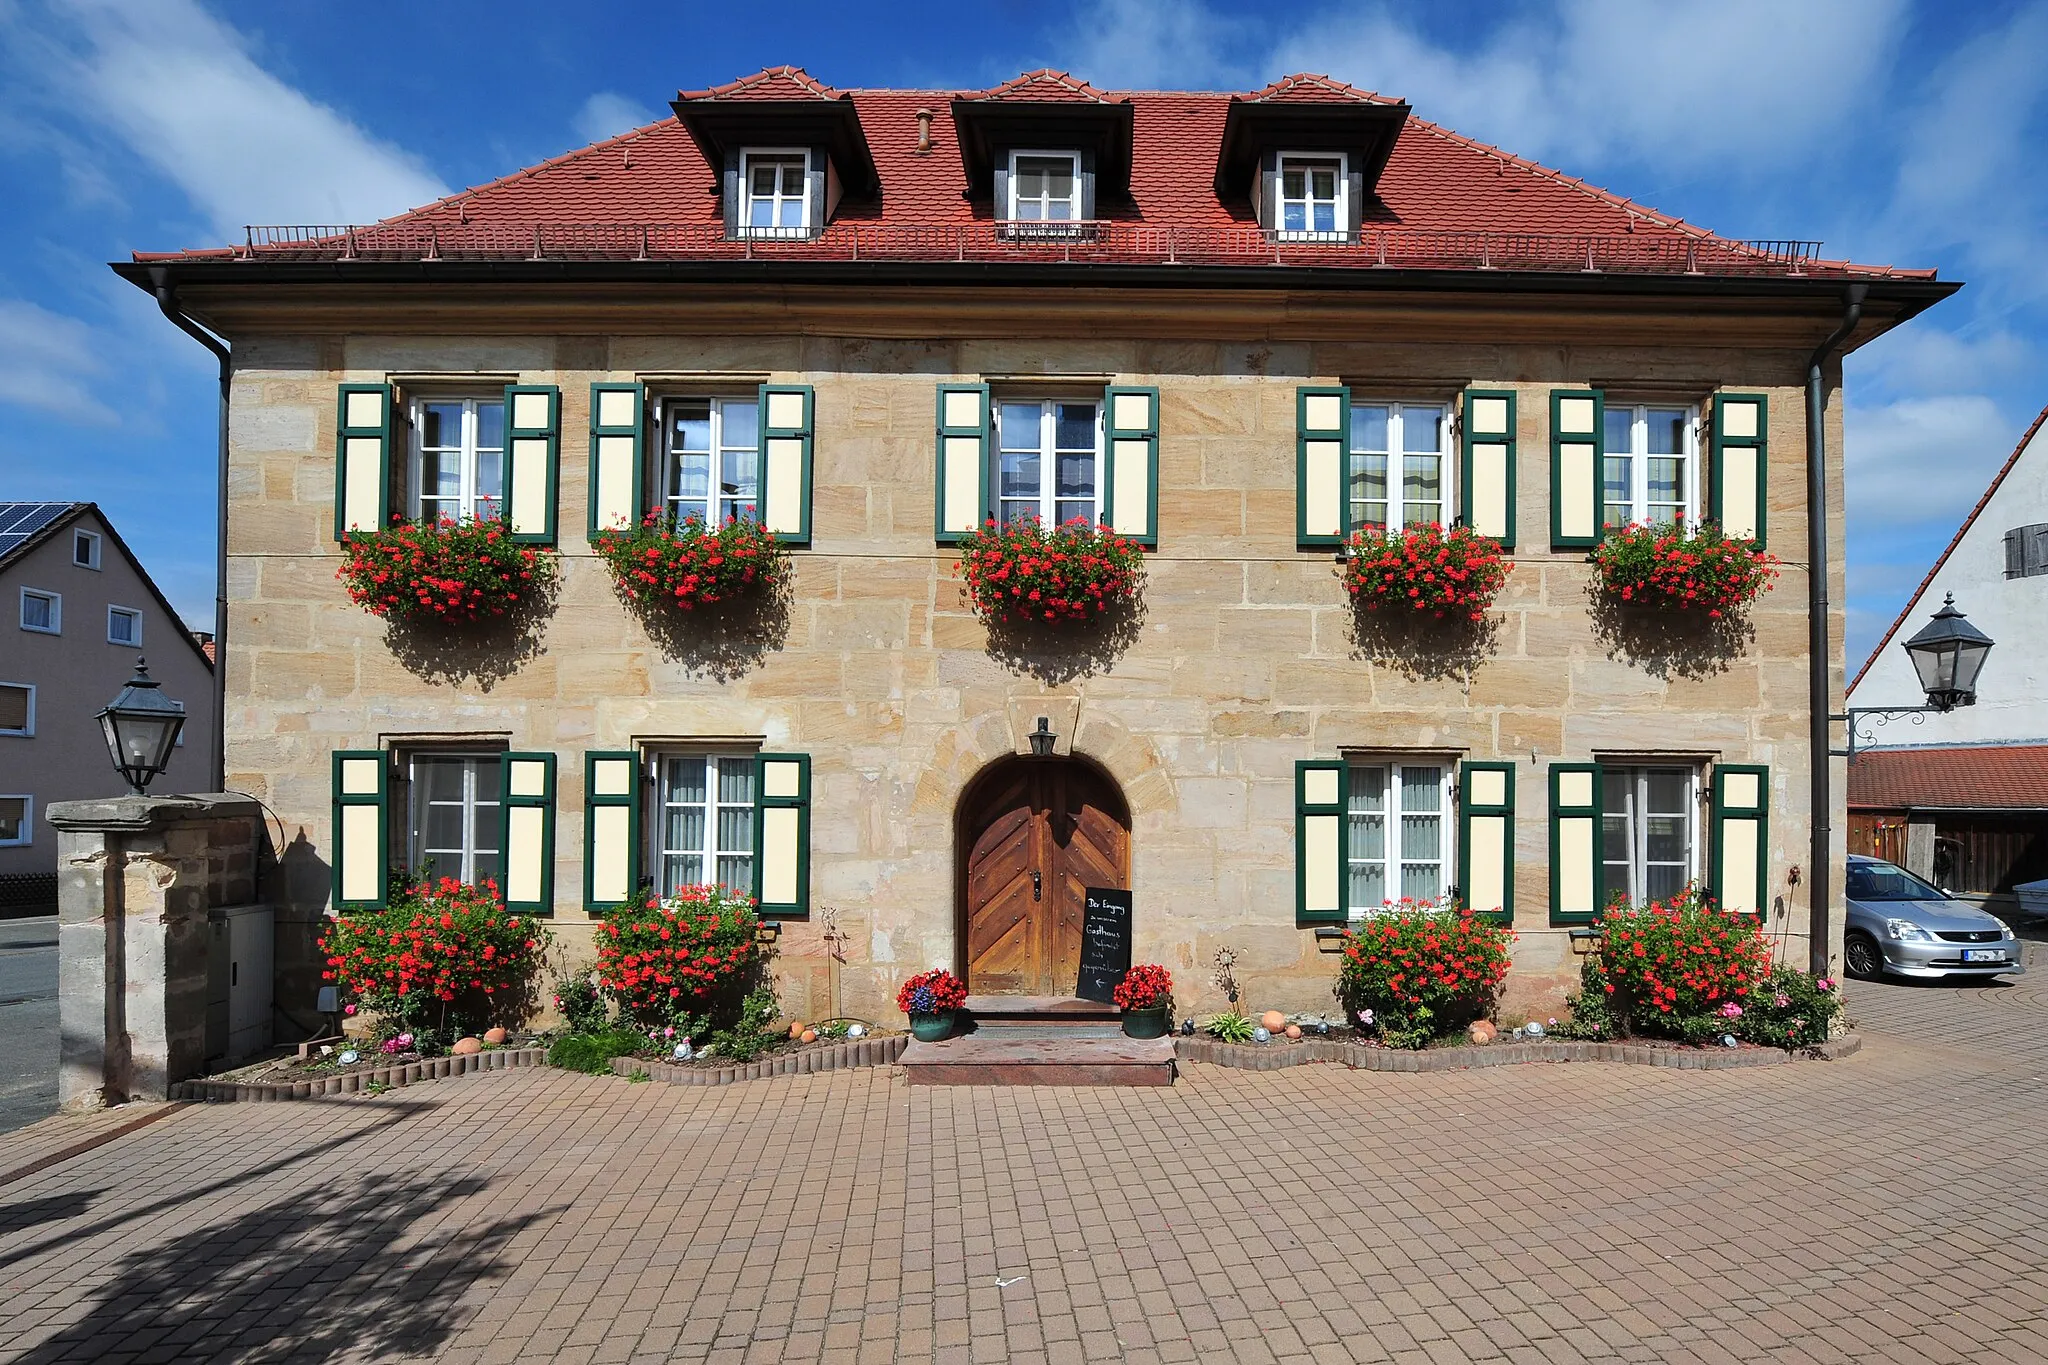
x: 1962, y: 797
x: 79, y: 610
x: 1235, y: 326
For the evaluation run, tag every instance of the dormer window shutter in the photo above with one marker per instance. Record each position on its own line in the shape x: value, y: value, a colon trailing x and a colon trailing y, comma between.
x: 785, y: 455
x: 1131, y: 489
x: 733, y: 196
x: 1740, y: 489
x: 617, y: 463
x: 533, y: 425
x: 1577, y: 418
x: 1322, y: 430
x: 1487, y: 480
x: 362, y: 459
x: 963, y: 460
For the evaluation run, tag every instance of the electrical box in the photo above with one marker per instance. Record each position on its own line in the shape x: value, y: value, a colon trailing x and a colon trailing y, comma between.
x: 238, y: 980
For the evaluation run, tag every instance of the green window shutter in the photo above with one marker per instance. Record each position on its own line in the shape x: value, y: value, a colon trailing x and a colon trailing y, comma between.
x: 782, y: 835
x: 618, y: 427
x: 1130, y: 488
x: 785, y: 461
x: 1741, y: 837
x: 1322, y: 419
x: 1321, y: 875
x: 362, y: 459
x: 362, y: 829
x: 1577, y: 875
x: 1739, y: 501
x: 1486, y: 840
x: 533, y: 447
x: 611, y: 828
x: 1486, y: 483
x: 1577, y: 418
x: 965, y: 421
x: 526, y: 831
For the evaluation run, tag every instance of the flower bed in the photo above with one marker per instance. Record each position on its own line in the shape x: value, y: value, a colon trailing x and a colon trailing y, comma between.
x: 1021, y: 571
x: 461, y: 572
x: 1671, y: 569
x: 688, y: 565
x: 440, y: 960
x: 1415, y: 972
x: 1425, y: 570
x: 684, y: 964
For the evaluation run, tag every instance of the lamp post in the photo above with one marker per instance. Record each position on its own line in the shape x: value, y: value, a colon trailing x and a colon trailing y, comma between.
x: 1042, y: 739
x: 141, y: 726
x: 1947, y: 654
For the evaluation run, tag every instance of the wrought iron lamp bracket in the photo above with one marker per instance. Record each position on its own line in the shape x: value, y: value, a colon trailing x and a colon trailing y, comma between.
x: 1867, y: 716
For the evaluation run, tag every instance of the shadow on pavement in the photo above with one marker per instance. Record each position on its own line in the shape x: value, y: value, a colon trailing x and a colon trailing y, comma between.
x: 373, y: 1269
x: 27, y: 1214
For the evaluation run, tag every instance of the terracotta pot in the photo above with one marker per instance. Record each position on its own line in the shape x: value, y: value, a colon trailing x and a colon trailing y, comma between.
x: 495, y: 1036
x: 465, y: 1046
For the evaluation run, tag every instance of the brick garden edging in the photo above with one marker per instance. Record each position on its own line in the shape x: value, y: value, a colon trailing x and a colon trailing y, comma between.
x: 353, y: 1082
x: 852, y: 1053
x: 1276, y: 1056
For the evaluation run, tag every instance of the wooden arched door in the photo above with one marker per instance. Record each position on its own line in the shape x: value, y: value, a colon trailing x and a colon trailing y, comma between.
x: 1035, y: 834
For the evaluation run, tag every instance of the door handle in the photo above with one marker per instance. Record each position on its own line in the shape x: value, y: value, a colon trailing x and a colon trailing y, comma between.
x: 1035, y: 882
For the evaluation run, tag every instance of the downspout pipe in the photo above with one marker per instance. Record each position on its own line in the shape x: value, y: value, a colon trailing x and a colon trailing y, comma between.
x: 167, y: 300
x: 1819, y: 742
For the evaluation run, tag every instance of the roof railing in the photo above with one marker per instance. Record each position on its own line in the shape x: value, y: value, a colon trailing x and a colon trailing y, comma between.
x: 1071, y: 241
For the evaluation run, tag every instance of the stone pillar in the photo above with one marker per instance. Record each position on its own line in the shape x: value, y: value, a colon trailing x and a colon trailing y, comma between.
x: 1920, y: 846
x: 135, y: 878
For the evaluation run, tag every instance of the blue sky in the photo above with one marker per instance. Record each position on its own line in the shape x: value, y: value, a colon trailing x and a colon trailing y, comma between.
x: 1896, y: 132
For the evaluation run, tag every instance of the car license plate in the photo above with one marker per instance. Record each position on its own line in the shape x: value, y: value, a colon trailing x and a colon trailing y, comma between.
x: 1983, y: 954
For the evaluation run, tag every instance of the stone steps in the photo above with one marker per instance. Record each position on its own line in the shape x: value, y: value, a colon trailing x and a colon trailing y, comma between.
x: 987, y: 1057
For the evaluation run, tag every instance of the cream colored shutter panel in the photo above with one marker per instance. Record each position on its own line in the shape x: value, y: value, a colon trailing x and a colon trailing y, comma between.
x: 786, y: 441
x: 1741, y: 824
x: 782, y: 835
x: 962, y: 473
x: 1487, y: 476
x: 526, y: 831
x: 1322, y: 433
x: 611, y: 828
x: 617, y: 455
x: 533, y: 429
x: 362, y: 459
x: 1739, y: 476
x: 362, y: 840
x: 1576, y: 869
x: 1577, y: 417
x: 1131, y: 489
x: 1486, y: 840
x: 1321, y: 869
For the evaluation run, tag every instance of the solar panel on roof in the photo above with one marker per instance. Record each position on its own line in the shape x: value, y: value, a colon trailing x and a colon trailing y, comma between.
x: 20, y: 520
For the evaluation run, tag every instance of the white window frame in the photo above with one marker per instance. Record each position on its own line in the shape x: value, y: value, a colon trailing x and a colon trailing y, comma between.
x: 1342, y: 207
x: 28, y: 820
x: 1635, y: 816
x: 91, y: 540
x: 744, y: 211
x: 29, y: 730
x: 717, y: 505
x: 1639, y: 462
x: 1390, y: 860
x: 467, y: 497
x: 1048, y: 451
x: 1397, y: 517
x: 709, y: 852
x: 415, y: 820
x: 56, y: 601
x: 131, y: 612
x: 1022, y: 226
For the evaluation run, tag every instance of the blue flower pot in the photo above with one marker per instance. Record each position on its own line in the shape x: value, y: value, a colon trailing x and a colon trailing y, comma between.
x: 932, y: 1028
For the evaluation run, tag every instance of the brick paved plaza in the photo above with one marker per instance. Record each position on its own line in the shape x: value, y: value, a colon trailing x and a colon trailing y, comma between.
x: 1887, y: 1207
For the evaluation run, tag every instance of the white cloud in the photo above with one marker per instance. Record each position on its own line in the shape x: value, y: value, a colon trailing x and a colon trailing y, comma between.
x: 48, y: 362
x: 1161, y: 45
x: 607, y: 114
x: 181, y: 90
x: 1921, y: 463
x: 1924, y: 359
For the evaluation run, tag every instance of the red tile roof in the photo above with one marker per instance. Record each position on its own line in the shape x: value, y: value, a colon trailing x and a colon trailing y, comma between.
x: 1965, y: 777
x: 655, y: 179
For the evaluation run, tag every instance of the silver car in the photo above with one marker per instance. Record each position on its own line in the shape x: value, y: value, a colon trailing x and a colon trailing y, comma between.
x: 1901, y: 926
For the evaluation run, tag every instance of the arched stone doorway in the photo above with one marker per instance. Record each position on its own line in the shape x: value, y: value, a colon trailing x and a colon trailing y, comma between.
x: 1032, y: 834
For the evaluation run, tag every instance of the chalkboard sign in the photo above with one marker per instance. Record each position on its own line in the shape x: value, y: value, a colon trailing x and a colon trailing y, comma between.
x: 1105, y: 943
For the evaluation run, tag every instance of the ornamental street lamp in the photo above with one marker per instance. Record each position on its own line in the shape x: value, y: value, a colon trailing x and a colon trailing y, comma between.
x: 1947, y: 654
x: 141, y: 726
x: 1042, y: 739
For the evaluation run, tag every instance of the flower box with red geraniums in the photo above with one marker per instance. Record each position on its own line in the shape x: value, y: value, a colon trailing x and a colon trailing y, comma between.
x: 684, y: 963
x: 443, y: 570
x: 1426, y: 569
x: 1020, y: 571
x: 1668, y: 568
x: 442, y: 957
x: 689, y: 564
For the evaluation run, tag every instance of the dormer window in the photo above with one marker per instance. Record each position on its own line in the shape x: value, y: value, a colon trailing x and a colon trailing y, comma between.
x: 1045, y: 187
x: 1314, y: 199
x: 778, y: 199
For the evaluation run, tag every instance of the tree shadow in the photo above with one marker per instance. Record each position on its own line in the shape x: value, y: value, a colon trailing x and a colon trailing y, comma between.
x: 722, y: 642
x: 50, y: 1209
x: 373, y: 1269
x: 483, y: 653
x: 1664, y: 643
x: 1055, y: 652
x: 1422, y: 647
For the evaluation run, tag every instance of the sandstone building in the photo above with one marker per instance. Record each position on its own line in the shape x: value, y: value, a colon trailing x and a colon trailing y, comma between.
x: 1235, y: 326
